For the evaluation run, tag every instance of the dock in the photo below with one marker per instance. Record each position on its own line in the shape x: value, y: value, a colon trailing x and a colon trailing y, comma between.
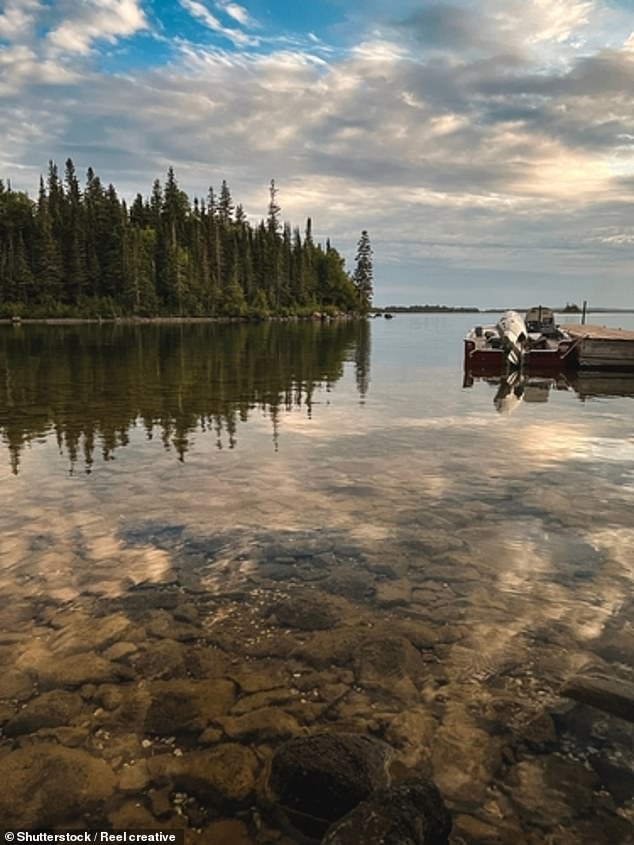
x: 602, y: 347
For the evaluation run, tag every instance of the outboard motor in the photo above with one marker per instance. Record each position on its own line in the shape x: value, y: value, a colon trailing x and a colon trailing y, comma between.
x: 512, y: 330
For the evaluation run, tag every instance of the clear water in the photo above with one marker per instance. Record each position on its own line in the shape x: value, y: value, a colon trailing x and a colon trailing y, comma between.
x: 159, y: 456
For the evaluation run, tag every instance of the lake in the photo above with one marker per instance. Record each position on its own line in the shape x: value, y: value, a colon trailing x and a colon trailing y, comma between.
x: 216, y: 537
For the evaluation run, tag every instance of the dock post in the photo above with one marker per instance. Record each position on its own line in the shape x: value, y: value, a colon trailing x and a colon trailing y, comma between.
x: 583, y: 312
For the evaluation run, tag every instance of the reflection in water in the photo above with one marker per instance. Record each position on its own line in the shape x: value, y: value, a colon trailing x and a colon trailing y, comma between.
x: 93, y: 384
x: 515, y: 387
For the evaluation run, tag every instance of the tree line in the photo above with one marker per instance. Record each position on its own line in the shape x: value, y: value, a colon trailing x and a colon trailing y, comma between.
x: 85, y: 252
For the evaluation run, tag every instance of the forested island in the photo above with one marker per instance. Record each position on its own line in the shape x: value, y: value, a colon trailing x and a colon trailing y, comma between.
x: 84, y: 253
x: 426, y: 309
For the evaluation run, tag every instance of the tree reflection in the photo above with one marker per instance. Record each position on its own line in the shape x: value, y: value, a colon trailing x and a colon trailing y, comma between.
x: 91, y: 384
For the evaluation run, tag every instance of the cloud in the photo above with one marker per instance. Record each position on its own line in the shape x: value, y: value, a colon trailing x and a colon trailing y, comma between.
x: 510, y: 27
x: 18, y: 18
x: 237, y: 12
x: 95, y: 20
x: 202, y: 13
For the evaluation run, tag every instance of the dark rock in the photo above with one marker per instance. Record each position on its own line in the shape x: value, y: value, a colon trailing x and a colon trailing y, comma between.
x: 411, y: 813
x: 49, y: 710
x: 614, y: 695
x: 313, y: 781
x: 618, y: 780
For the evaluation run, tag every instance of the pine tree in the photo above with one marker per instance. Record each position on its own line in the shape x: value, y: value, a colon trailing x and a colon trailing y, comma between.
x: 363, y: 272
x: 225, y: 204
x: 273, y: 219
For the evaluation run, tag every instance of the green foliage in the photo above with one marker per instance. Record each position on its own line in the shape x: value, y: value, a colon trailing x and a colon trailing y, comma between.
x: 363, y: 273
x: 82, y: 253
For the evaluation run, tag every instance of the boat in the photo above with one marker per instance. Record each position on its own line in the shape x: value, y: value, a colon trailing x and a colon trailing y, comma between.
x: 532, y: 343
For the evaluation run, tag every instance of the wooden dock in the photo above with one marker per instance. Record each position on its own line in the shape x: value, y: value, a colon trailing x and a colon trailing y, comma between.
x: 603, y: 347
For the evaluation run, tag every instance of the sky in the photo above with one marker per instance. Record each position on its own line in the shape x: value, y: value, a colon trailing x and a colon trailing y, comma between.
x: 486, y: 145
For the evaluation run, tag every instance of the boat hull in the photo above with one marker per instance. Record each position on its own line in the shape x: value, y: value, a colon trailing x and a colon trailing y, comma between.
x: 483, y: 361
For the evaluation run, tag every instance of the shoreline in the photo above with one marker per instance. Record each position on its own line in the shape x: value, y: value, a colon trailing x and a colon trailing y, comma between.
x: 315, y: 317
x: 135, y: 321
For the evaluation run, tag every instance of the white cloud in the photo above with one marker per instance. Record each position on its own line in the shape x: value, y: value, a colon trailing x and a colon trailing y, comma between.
x: 237, y: 12
x: 202, y: 13
x: 98, y: 19
x: 18, y: 18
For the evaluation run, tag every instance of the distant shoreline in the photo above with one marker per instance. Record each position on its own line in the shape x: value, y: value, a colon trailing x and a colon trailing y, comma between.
x: 446, y: 309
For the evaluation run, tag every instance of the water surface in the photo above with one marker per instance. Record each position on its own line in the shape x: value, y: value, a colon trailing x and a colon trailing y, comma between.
x: 321, y: 522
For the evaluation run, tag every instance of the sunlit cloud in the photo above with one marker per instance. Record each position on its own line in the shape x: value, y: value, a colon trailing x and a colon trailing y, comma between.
x: 97, y: 19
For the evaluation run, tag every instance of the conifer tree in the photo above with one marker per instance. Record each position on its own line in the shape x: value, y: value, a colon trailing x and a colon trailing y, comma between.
x: 225, y: 204
x: 363, y: 273
x: 84, y: 252
x: 273, y: 219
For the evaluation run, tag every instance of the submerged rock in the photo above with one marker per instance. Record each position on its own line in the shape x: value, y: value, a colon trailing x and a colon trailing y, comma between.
x: 15, y: 685
x: 411, y: 813
x: 613, y: 695
x: 49, y: 710
x: 186, y: 706
x: 46, y: 785
x: 307, y: 613
x: 222, y: 778
x: 261, y: 724
x: 549, y: 789
x: 79, y: 669
x: 464, y: 758
x: 313, y: 781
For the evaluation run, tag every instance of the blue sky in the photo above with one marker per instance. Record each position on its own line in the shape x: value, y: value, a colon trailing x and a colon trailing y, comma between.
x: 487, y: 145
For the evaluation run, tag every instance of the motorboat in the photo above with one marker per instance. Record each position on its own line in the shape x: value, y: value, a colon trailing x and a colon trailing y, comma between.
x: 533, y: 342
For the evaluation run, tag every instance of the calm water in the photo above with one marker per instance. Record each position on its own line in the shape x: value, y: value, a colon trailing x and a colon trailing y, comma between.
x: 172, y: 491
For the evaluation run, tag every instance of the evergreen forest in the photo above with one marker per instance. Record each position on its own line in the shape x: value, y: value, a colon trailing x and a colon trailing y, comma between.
x: 84, y: 252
